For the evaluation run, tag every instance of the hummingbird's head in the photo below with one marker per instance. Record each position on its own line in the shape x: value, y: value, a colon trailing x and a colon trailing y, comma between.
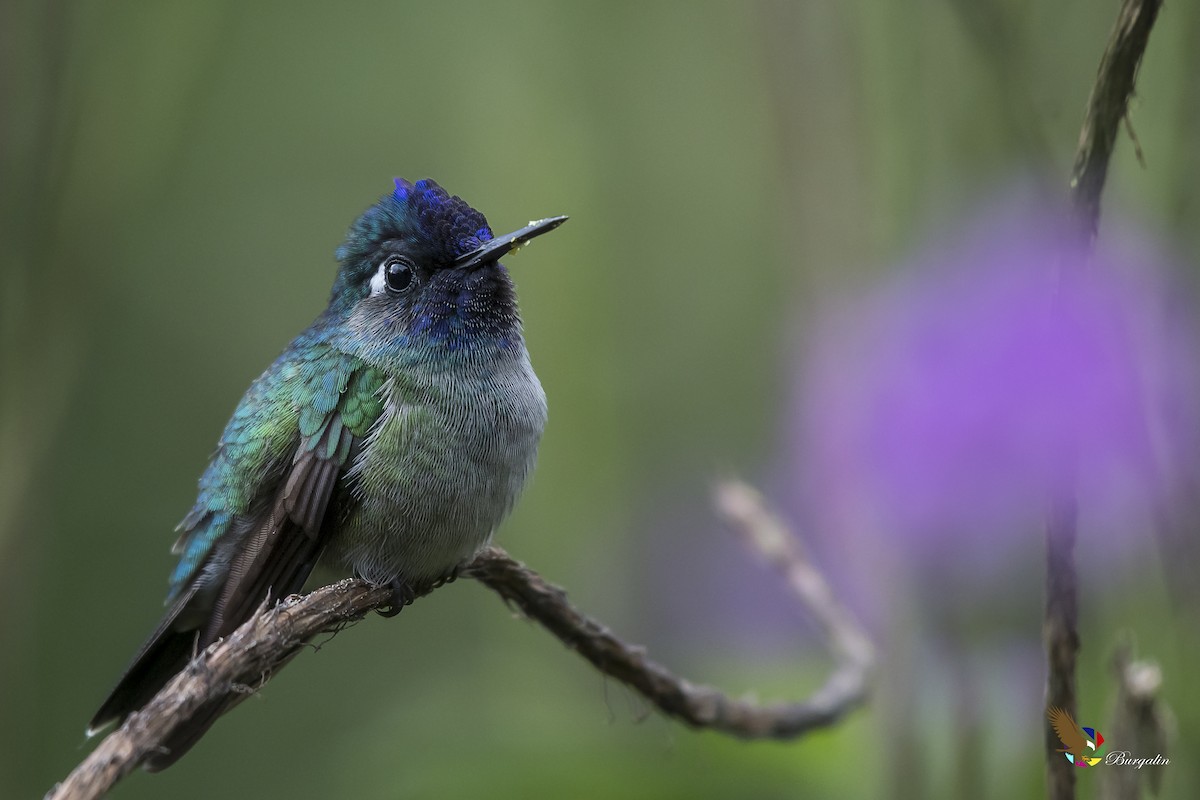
x: 423, y: 266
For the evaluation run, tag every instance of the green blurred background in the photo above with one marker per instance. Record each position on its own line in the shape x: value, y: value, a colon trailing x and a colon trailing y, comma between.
x: 175, y: 177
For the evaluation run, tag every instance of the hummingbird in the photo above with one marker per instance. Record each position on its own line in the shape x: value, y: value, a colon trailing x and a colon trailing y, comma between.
x: 388, y: 440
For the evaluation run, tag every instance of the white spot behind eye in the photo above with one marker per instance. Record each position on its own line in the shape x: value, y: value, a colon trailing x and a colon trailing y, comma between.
x: 378, y: 282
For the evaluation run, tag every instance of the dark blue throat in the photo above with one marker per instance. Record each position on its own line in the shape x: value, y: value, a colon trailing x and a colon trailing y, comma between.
x: 467, y: 309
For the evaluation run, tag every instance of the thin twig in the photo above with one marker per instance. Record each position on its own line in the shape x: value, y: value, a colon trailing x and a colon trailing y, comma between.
x: 1107, y: 106
x: 704, y: 706
x: 258, y: 649
x: 743, y: 506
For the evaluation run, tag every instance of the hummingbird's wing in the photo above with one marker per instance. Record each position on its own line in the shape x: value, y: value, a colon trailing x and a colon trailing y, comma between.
x: 262, y: 516
x: 1068, y: 732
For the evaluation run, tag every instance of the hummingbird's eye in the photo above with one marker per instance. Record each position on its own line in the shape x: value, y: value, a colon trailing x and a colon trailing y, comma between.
x: 398, y: 273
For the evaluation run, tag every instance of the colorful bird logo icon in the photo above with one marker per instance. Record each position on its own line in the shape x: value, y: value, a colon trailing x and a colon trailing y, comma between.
x: 1083, y: 745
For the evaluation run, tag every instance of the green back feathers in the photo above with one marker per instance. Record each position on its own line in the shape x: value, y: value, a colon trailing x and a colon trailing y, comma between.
x: 302, y: 402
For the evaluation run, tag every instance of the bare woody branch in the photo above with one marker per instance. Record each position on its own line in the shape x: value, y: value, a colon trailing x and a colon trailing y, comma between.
x: 1107, y: 107
x: 248, y: 658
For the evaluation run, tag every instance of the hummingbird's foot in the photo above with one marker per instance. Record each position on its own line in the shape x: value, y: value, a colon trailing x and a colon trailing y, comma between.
x: 402, y: 595
x: 449, y: 577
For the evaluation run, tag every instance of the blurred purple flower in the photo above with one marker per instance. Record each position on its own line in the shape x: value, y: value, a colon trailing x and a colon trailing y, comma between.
x: 954, y: 400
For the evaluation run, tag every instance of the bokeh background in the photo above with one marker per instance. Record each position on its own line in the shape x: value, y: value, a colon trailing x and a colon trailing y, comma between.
x: 175, y: 177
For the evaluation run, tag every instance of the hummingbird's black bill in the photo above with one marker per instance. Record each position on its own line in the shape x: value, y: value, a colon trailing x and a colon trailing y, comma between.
x: 498, y: 247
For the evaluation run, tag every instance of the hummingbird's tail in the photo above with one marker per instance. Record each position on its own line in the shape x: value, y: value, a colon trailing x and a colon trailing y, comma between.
x: 272, y: 560
x: 160, y: 659
x: 167, y: 650
x: 267, y: 553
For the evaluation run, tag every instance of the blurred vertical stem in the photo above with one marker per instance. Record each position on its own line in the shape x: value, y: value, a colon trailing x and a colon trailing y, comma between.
x: 1060, y: 631
x: 37, y: 329
x: 34, y: 349
x: 1106, y: 108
